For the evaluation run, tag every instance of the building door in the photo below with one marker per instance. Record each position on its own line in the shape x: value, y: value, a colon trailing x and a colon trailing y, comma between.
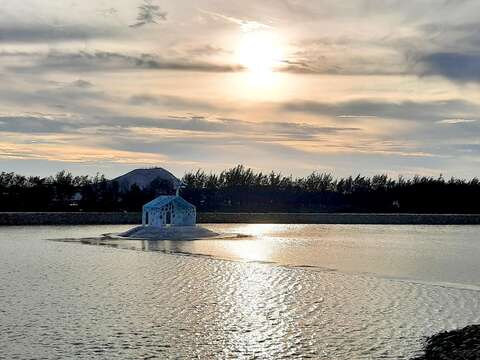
x: 146, y: 218
x: 168, y: 218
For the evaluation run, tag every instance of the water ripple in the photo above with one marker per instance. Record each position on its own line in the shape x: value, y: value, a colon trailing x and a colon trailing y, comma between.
x: 65, y: 300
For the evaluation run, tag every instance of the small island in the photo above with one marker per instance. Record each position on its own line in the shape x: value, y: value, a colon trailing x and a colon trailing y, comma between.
x: 169, y: 217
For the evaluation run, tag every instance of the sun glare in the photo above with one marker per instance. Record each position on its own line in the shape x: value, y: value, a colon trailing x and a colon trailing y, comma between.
x: 259, y: 52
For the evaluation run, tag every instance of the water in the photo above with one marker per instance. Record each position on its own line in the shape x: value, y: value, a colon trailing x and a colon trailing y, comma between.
x: 299, y: 291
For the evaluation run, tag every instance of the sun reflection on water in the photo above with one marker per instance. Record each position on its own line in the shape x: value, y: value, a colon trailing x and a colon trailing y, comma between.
x: 258, y: 229
x: 256, y: 250
x: 261, y: 330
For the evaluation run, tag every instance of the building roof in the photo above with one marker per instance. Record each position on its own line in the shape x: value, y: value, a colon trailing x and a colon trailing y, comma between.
x: 163, y: 200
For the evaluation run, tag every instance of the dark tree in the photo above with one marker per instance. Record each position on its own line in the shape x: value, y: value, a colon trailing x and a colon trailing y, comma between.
x: 241, y: 189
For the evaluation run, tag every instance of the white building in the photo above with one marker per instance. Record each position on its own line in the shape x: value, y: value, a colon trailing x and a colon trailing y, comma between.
x: 169, y: 210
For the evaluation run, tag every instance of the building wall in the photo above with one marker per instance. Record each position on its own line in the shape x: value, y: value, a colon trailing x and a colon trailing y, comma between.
x: 184, y: 217
x: 179, y: 216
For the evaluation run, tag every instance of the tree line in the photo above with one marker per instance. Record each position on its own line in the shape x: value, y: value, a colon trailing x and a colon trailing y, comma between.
x: 242, y: 189
x: 66, y: 192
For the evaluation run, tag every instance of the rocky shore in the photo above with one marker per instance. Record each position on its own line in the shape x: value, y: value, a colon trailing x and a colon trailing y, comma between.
x: 453, y: 345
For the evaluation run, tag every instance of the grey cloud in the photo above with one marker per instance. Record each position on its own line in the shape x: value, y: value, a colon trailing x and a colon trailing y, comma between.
x: 70, y: 97
x: 348, y: 67
x: 110, y: 61
x: 406, y: 110
x: 108, y: 12
x: 453, y: 36
x: 335, y: 56
x: 245, y: 25
x: 226, y: 125
x: 469, y: 148
x: 47, y: 123
x: 441, y: 47
x: 64, y: 123
x: 170, y: 101
x: 42, y: 33
x: 301, y: 131
x: 193, y: 123
x: 83, y: 84
x: 82, y: 97
x: 148, y: 13
x: 151, y: 62
x: 35, y: 124
x: 454, y: 66
x: 449, y: 50
x: 205, y: 50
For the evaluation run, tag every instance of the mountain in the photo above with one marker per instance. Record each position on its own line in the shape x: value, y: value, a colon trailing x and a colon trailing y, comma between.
x: 144, y: 178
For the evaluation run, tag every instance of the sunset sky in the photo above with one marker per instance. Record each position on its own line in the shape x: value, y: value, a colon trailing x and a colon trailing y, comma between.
x: 347, y: 87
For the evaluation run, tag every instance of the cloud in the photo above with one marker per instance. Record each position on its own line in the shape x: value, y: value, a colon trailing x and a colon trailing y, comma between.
x: 107, y: 61
x: 245, y: 25
x: 115, y: 139
x: 108, y: 12
x: 351, y: 116
x: 456, y: 121
x: 75, y: 153
x: 345, y: 55
x: 348, y: 67
x: 425, y: 47
x: 205, y: 50
x: 169, y: 101
x: 36, y: 124
x: 448, y: 49
x: 454, y: 66
x: 148, y: 13
x: 463, y: 36
x: 301, y: 130
x: 42, y: 33
x: 403, y: 110
x: 468, y: 148
x: 77, y: 97
x: 67, y: 123
x: 272, y: 129
x: 82, y: 98
x: 83, y: 84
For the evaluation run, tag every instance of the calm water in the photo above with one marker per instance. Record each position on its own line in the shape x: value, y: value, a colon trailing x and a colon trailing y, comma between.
x: 293, y: 291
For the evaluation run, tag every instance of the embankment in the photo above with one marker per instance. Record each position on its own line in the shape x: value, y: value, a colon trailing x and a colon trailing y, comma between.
x: 69, y: 218
x: 93, y: 218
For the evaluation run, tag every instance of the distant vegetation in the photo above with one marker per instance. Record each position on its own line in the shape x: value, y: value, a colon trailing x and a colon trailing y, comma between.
x: 65, y: 192
x: 243, y: 190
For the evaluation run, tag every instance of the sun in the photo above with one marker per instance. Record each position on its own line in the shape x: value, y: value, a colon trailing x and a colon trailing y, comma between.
x: 259, y: 52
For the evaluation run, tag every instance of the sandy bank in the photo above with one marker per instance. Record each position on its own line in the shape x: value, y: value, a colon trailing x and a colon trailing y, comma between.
x: 169, y: 233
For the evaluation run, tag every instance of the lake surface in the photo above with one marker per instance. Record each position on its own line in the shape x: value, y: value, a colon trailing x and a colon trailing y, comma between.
x: 288, y: 291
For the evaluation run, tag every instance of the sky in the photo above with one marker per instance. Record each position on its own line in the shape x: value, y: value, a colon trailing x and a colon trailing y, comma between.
x: 295, y: 86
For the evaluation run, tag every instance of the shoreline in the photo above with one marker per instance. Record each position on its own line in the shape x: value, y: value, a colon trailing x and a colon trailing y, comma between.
x: 127, y: 218
x: 461, y: 343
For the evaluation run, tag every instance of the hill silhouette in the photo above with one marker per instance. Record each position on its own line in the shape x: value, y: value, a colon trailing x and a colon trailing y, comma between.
x: 144, y: 178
